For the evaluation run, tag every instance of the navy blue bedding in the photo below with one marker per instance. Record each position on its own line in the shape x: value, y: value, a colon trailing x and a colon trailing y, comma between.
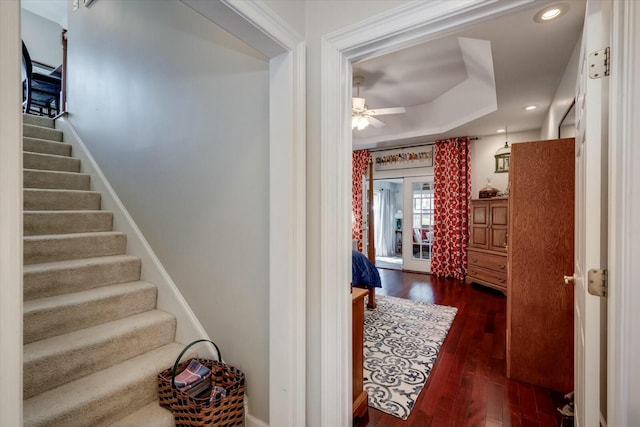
x: 363, y: 271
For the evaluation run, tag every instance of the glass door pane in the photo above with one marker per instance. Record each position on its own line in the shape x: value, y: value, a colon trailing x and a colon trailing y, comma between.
x: 418, y: 230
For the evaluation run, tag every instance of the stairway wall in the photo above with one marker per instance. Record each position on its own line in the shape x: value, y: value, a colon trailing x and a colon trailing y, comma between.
x: 178, y: 122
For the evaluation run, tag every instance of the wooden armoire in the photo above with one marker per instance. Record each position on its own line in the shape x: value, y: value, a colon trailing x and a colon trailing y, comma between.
x: 541, y: 243
x: 487, y: 251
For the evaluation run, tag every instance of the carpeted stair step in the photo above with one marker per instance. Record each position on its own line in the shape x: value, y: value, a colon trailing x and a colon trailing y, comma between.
x: 50, y: 162
x: 151, y: 415
x: 54, y: 361
x: 32, y: 131
x: 62, y: 222
x: 61, y: 277
x: 36, y: 145
x: 104, y: 397
x: 51, y: 316
x: 36, y: 178
x: 41, y: 121
x: 59, y: 247
x: 59, y: 200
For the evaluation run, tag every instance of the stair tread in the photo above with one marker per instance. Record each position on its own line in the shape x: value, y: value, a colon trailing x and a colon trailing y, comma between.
x: 47, y: 199
x: 56, y: 156
x: 66, y: 312
x: 39, y: 145
x: 80, y: 297
x: 48, y: 133
x: 46, y: 161
x: 150, y: 415
x: 72, y: 235
x: 75, y: 263
x: 55, y: 179
x: 33, y: 125
x: 32, y: 119
x: 56, y: 405
x: 61, y: 190
x: 58, y: 212
x: 65, y: 222
x: 54, y: 172
x: 91, y: 336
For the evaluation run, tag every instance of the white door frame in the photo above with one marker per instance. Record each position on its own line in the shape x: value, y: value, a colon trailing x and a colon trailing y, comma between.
x: 623, y: 370
x: 408, y: 24
x: 257, y: 25
x: 420, y: 21
x: 10, y: 216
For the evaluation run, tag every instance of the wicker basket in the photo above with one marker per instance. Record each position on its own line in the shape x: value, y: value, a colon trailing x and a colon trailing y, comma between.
x: 192, y: 411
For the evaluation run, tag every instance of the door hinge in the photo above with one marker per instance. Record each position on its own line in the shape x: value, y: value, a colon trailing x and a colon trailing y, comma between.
x: 597, y: 282
x: 599, y: 62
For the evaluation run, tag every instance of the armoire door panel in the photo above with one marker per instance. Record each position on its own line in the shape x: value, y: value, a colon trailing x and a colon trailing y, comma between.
x: 500, y: 214
x: 498, y: 239
x: 480, y: 237
x: 480, y: 213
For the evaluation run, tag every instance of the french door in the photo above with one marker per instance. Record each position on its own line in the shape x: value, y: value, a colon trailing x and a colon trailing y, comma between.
x: 417, y: 224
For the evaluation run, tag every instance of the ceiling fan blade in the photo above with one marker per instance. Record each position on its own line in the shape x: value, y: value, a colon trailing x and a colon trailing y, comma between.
x: 383, y: 111
x: 375, y: 122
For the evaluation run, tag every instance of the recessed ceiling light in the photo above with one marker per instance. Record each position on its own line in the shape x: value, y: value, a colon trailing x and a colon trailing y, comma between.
x: 500, y: 131
x: 530, y: 107
x: 551, y: 12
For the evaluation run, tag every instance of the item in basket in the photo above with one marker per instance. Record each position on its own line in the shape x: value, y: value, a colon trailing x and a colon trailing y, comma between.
x: 217, y: 393
x: 199, y: 389
x: 194, y: 373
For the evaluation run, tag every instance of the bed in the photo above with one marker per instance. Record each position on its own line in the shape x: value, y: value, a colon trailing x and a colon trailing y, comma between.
x: 364, y: 274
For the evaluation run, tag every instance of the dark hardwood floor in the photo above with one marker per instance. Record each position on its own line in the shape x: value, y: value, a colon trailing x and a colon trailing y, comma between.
x: 467, y: 386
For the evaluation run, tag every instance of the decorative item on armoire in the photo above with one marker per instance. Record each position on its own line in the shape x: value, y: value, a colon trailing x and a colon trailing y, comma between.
x: 488, y: 191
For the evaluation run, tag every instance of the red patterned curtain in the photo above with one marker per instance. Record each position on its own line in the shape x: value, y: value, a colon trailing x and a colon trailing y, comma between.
x: 360, y: 164
x: 452, y: 196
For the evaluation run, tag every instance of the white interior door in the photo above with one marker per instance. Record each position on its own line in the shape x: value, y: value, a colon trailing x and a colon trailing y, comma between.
x: 591, y: 221
x: 417, y: 224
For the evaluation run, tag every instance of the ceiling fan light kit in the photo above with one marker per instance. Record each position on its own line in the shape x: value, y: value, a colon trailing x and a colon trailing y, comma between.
x: 361, y: 116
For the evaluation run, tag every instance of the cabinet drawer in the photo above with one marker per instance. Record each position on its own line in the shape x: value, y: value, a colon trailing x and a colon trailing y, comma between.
x: 489, y: 261
x: 485, y: 276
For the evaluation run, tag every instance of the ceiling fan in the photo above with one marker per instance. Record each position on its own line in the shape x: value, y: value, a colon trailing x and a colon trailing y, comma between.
x: 362, y: 116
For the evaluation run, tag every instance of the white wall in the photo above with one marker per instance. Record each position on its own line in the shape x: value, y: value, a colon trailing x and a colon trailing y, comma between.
x: 175, y: 111
x: 483, y: 162
x: 42, y: 37
x: 562, y: 99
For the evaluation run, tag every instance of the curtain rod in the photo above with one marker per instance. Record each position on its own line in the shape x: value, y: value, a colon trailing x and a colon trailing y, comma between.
x: 418, y: 144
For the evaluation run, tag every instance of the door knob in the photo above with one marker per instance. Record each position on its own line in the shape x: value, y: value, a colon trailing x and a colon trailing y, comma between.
x: 568, y: 279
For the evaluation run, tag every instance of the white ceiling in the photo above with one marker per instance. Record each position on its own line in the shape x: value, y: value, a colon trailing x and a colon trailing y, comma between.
x: 53, y: 10
x: 470, y: 83
x: 528, y: 61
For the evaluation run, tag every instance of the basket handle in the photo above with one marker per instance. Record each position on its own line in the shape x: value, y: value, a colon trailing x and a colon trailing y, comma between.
x: 175, y: 365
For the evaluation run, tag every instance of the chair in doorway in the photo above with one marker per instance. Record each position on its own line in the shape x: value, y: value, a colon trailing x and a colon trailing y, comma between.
x: 41, y: 92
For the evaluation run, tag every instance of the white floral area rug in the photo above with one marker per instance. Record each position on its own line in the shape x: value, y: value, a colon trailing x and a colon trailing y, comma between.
x: 402, y: 339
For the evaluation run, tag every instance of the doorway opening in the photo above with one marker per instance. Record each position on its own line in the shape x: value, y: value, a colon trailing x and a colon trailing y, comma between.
x: 387, y: 214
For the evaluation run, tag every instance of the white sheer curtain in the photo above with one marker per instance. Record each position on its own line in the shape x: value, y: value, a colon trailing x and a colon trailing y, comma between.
x: 384, y: 223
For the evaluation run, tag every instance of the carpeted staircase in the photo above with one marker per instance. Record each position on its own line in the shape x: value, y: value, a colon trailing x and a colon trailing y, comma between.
x: 93, y: 339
